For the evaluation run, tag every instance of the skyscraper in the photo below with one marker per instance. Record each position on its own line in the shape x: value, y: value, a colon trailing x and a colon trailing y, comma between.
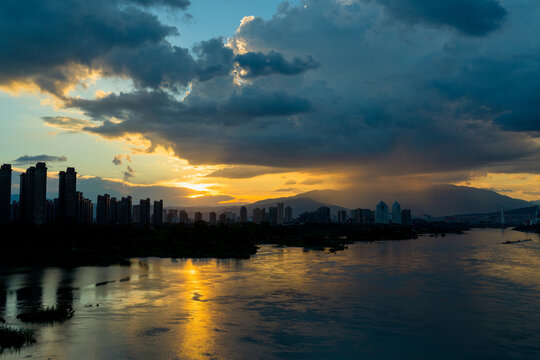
x: 145, y: 212
x: 183, y: 217
x: 288, y: 215
x: 280, y: 214
x: 103, y: 209
x: 381, y: 213
x: 33, y: 192
x: 243, y: 214
x: 258, y: 215
x: 396, y: 213
x: 406, y: 217
x: 342, y: 216
x: 5, y: 193
x: 212, y: 218
x: 273, y: 215
x: 124, y: 211
x: 157, y: 217
x: 113, y: 212
x: 198, y: 216
x: 85, y: 209
x: 67, y: 196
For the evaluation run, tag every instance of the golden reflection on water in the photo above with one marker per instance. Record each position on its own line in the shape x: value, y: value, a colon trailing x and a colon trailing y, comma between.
x: 196, y: 340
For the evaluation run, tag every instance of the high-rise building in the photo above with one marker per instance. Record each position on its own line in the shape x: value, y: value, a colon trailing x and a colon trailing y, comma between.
x: 406, y: 217
x: 342, y: 216
x: 280, y: 214
x: 288, y: 215
x: 85, y: 209
x: 396, y: 213
x: 273, y: 215
x: 15, y: 211
x: 125, y: 210
x: 363, y: 216
x: 259, y: 215
x: 5, y: 193
x: 172, y: 216
x: 145, y: 212
x: 183, y: 217
x: 223, y: 218
x: 33, y: 194
x: 157, y: 218
x: 67, y: 196
x: 212, y: 218
x: 198, y: 216
x: 113, y: 212
x: 136, y: 218
x: 381, y: 213
x: 243, y: 214
x: 103, y: 209
x: 51, y: 216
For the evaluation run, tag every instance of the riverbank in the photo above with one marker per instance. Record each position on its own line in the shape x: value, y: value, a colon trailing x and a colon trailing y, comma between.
x: 80, y: 245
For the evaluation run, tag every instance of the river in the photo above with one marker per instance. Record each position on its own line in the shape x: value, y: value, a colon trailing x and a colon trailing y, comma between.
x: 455, y: 297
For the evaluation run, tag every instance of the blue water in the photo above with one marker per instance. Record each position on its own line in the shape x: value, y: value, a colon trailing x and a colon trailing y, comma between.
x: 454, y: 297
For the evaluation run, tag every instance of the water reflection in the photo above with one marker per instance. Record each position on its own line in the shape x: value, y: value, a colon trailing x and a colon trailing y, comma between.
x: 455, y: 297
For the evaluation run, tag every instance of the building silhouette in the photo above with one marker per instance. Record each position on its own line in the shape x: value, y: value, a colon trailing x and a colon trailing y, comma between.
x: 33, y: 194
x: 363, y: 216
x: 103, y: 209
x: 136, y: 218
x: 273, y: 215
x: 396, y: 213
x: 280, y: 214
x: 322, y: 215
x: 212, y: 218
x: 381, y: 213
x: 85, y: 209
x: 113, y: 212
x: 183, y: 217
x: 406, y: 217
x: 125, y: 211
x: 172, y: 216
x: 144, y: 219
x: 157, y: 217
x: 198, y: 216
x: 243, y: 214
x: 288, y: 215
x: 5, y: 193
x: 67, y: 196
x: 342, y: 216
x: 259, y: 215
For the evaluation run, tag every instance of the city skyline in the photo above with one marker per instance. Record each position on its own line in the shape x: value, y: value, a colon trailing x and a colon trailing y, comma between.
x: 319, y: 115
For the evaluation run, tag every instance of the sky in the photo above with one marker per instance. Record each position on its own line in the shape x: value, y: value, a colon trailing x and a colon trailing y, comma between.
x: 216, y: 102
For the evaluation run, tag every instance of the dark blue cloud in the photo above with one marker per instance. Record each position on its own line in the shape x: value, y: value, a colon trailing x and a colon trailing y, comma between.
x: 259, y: 64
x: 471, y: 17
x: 180, y: 4
x: 39, y: 158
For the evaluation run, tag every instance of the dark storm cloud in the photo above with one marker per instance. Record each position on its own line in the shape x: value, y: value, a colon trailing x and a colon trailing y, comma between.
x: 471, y: 17
x: 39, y: 158
x: 245, y: 172
x: 180, y: 4
x: 259, y: 64
x: 43, y: 41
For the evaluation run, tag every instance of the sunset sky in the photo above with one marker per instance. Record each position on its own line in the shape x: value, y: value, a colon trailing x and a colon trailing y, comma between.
x: 231, y: 101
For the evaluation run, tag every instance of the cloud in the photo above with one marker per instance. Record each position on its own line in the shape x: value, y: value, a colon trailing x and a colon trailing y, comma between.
x: 67, y: 123
x: 180, y: 4
x: 381, y: 98
x: 471, y: 17
x: 245, y: 172
x: 312, y: 182
x: 117, y: 160
x: 39, y: 158
x: 287, y: 190
x: 290, y: 182
x: 257, y: 64
x: 129, y: 173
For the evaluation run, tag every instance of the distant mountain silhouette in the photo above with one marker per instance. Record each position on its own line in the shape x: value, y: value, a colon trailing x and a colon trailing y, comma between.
x: 438, y: 200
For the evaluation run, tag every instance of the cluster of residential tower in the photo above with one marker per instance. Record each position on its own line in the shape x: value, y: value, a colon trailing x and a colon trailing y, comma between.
x: 71, y: 206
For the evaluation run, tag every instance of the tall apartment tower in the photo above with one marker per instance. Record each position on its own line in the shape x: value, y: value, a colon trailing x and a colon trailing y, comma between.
x: 381, y: 213
x: 212, y: 218
x: 103, y: 209
x: 157, y: 217
x: 198, y: 216
x: 243, y: 214
x: 124, y: 210
x: 85, y: 209
x: 144, y: 212
x: 67, y: 196
x: 33, y: 194
x: 396, y: 213
x: 5, y: 193
x: 288, y: 215
x: 280, y: 214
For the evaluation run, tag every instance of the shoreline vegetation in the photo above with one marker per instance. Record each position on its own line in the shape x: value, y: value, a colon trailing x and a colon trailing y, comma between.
x: 82, y: 245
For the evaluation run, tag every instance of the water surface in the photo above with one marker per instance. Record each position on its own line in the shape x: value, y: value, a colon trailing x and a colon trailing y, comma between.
x: 457, y: 297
